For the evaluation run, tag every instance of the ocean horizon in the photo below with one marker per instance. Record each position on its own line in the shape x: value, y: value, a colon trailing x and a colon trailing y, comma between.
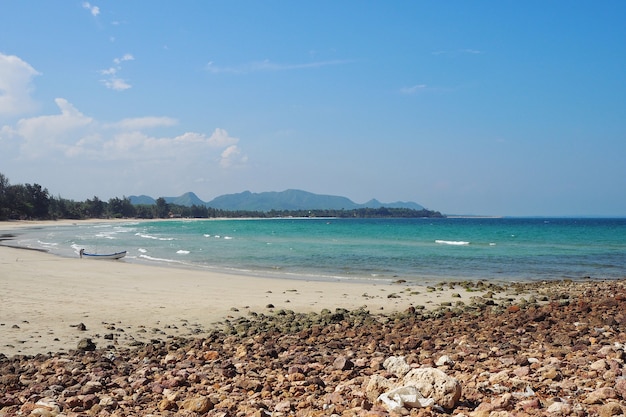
x: 413, y: 250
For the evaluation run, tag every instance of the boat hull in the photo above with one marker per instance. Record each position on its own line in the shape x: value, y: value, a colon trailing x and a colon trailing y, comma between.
x: 117, y: 255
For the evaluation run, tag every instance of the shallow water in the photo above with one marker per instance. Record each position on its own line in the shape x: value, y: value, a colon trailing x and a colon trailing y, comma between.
x: 416, y: 250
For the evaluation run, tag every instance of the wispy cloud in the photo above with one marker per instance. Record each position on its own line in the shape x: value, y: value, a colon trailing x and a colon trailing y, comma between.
x: 267, y: 66
x: 94, y: 10
x: 126, y: 57
x: 454, y: 52
x: 138, y: 123
x: 414, y: 89
x: 116, y: 84
x: 112, y: 81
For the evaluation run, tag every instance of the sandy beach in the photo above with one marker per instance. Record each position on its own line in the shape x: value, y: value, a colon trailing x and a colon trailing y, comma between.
x: 46, y: 298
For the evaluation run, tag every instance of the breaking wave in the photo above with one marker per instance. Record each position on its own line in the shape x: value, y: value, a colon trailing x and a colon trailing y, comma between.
x: 452, y: 242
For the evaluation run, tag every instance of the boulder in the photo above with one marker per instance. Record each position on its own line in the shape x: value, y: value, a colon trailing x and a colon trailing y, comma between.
x: 436, y: 384
x: 397, y: 366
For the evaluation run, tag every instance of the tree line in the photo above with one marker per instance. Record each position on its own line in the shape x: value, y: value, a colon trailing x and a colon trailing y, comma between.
x: 33, y: 202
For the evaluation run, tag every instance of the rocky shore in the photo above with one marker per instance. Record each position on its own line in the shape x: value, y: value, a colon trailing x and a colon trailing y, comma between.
x: 558, y: 350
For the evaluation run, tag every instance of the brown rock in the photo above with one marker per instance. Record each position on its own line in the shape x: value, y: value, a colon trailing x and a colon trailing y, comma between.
x: 283, y: 407
x: 600, y: 395
x: 620, y: 387
x: 610, y: 409
x: 558, y: 408
x: 197, y: 404
x: 342, y: 363
x: 211, y: 355
x: 86, y: 345
x: 166, y: 404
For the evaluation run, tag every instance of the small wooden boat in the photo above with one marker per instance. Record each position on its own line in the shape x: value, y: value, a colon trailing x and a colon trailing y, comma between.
x: 116, y: 255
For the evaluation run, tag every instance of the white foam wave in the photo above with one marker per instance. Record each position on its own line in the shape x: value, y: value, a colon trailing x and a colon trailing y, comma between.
x: 145, y: 236
x: 182, y: 252
x: 142, y: 250
x: 106, y: 235
x: 452, y: 242
x: 207, y: 235
x: 228, y: 237
x: 47, y: 243
x: 151, y: 258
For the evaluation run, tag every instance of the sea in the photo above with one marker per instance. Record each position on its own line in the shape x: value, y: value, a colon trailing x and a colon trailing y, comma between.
x: 417, y: 251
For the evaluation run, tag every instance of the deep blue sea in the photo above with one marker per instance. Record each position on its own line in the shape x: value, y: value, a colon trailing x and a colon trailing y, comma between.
x: 416, y: 250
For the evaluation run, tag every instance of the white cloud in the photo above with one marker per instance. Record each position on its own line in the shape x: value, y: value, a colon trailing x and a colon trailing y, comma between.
x: 71, y: 136
x: 94, y: 10
x: 220, y: 138
x: 15, y: 86
x: 70, y: 152
x: 116, y: 84
x: 231, y: 156
x: 126, y: 57
x: 43, y: 134
x: 108, y: 71
x: 113, y: 82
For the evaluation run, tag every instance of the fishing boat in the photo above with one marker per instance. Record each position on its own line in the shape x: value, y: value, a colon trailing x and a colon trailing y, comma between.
x: 116, y: 255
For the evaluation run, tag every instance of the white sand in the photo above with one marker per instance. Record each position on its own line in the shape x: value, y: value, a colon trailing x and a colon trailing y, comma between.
x: 44, y: 297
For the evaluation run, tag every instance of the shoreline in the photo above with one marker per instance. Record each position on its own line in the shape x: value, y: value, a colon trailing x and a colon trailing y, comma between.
x: 424, y: 280
x: 45, y: 298
x: 558, y: 351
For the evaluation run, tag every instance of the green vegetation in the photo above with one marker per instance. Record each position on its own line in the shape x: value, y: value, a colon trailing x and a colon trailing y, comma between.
x: 32, y: 202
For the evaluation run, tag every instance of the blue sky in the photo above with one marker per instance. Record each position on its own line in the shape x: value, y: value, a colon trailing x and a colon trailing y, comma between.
x: 486, y: 107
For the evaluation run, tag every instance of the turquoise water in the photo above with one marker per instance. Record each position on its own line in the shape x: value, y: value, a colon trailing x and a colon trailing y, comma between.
x: 416, y: 250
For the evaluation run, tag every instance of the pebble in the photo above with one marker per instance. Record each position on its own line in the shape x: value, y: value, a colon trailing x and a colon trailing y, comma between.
x: 544, y: 357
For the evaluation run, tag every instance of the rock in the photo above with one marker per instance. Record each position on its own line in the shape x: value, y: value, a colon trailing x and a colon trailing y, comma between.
x: 558, y: 408
x: 598, y: 365
x: 436, y: 384
x: 620, y: 387
x: 91, y: 387
x: 287, y: 363
x: 598, y: 396
x: 444, y: 360
x: 376, y: 386
x: 610, y: 409
x: 342, y: 363
x: 396, y: 365
x: 211, y: 355
x: 283, y: 407
x: 199, y: 404
x: 86, y: 345
x: 166, y: 404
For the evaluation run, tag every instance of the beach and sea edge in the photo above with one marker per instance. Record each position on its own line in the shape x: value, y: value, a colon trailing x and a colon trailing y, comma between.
x: 521, y: 349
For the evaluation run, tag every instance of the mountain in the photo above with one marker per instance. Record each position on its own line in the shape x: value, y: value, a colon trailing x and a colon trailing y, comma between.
x: 272, y: 200
x: 142, y: 199
x: 373, y: 203
x: 188, y: 199
x: 285, y: 200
